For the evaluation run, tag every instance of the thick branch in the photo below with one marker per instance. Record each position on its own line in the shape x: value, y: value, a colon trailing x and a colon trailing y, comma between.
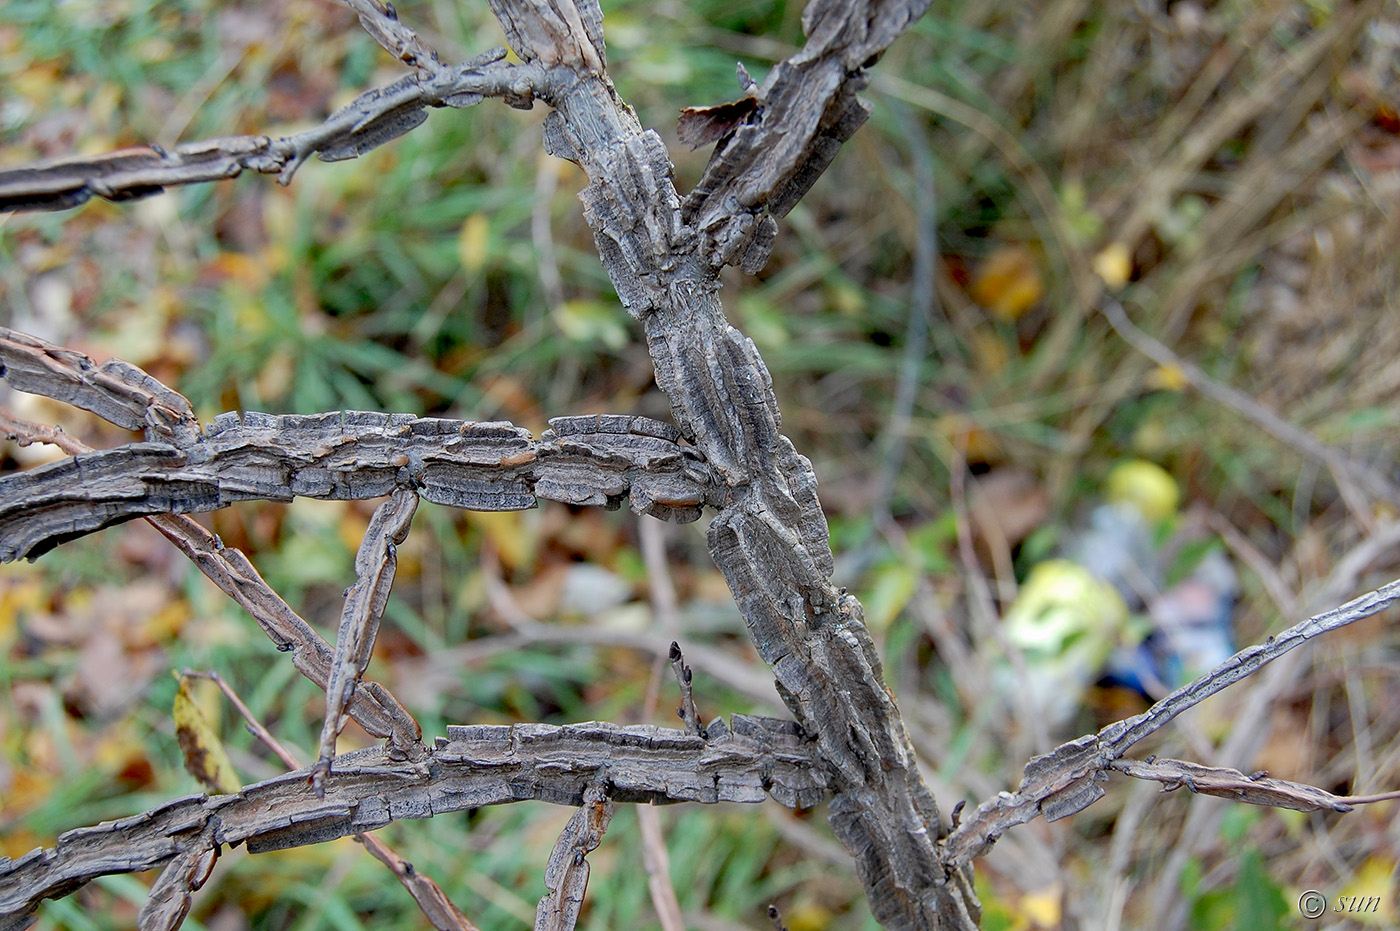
x: 432, y: 901
x: 171, y: 896
x: 770, y: 540
x: 473, y: 767
x: 355, y: 455
x: 370, y: 120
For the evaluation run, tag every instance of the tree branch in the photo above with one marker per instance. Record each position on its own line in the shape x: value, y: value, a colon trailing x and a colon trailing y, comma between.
x: 376, y: 562
x: 770, y: 540
x: 382, y: 22
x: 1069, y: 778
x: 370, y: 120
x: 355, y: 455
x: 432, y: 901
x: 472, y: 767
x: 806, y: 108
x: 116, y: 391
x: 566, y: 875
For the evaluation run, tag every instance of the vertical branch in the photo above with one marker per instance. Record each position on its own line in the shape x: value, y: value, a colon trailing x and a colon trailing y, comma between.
x: 656, y: 859
x: 687, y: 711
x: 375, y: 565
x: 170, y: 898
x: 566, y: 876
x: 770, y: 540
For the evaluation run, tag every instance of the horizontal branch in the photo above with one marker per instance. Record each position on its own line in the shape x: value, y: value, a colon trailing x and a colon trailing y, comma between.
x: 370, y: 120
x: 1070, y: 778
x: 1223, y: 782
x: 474, y: 766
x: 355, y: 455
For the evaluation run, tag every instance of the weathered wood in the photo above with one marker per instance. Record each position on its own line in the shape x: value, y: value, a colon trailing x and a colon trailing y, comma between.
x: 372, y: 119
x: 171, y: 896
x: 376, y: 562
x: 566, y: 874
x: 770, y: 540
x: 354, y: 455
x: 472, y: 767
x: 372, y: 705
x: 116, y: 391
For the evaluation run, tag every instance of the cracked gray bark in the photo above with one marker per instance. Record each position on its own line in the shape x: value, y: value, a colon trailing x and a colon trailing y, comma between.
x: 771, y: 540
x: 376, y: 563
x: 355, y: 455
x: 566, y: 875
x: 116, y: 391
x: 373, y: 707
x: 472, y: 767
x: 170, y: 897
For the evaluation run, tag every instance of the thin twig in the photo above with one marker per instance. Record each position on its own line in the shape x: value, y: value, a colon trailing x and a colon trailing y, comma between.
x: 1369, y: 478
x: 687, y: 710
x: 1067, y: 779
x: 370, y: 120
x: 383, y: 24
x: 894, y: 440
x: 656, y: 859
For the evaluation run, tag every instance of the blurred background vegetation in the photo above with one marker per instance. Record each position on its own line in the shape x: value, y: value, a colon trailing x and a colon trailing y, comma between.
x: 1228, y: 171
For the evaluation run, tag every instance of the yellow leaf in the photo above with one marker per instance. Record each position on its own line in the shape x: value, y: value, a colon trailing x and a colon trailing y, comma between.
x: 1146, y: 487
x: 1043, y: 907
x: 1114, y: 265
x: 1368, y: 899
x: 205, y: 758
x: 514, y: 540
x: 807, y: 916
x: 1008, y: 282
x: 472, y: 242
x: 1167, y: 378
x: 988, y: 351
